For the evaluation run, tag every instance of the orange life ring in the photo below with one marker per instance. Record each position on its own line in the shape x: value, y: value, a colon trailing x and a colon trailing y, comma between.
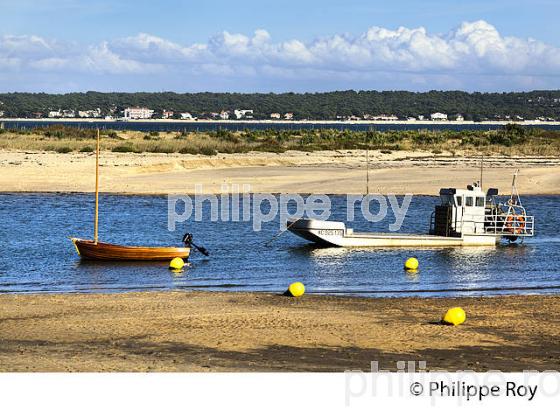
x: 519, y: 222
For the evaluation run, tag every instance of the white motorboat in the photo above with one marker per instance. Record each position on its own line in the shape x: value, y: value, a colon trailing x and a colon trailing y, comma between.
x: 465, y: 217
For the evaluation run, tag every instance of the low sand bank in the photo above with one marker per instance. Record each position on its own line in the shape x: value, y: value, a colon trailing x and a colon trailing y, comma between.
x: 336, y: 172
x: 180, y: 331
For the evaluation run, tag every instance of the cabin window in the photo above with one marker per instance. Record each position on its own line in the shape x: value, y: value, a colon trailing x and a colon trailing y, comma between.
x: 459, y: 200
x: 479, y: 201
x: 469, y: 201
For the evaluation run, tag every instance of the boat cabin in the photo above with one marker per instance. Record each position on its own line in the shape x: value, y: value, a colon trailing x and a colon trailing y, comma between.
x: 472, y: 211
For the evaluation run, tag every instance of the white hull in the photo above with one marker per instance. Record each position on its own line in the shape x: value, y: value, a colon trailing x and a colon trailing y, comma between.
x: 336, y: 234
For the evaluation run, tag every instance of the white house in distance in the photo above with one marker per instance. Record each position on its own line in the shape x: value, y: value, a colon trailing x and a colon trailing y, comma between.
x: 275, y: 116
x: 438, y: 116
x: 224, y: 115
x: 62, y: 114
x: 187, y: 116
x: 385, y: 117
x: 167, y: 114
x: 289, y: 116
x: 243, y: 114
x: 90, y: 113
x: 138, y: 113
x: 459, y: 118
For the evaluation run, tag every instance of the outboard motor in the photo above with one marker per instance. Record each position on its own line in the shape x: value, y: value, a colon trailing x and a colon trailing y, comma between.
x: 188, y: 241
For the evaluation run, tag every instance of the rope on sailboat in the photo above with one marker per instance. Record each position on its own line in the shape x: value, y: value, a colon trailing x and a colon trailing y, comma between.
x: 267, y: 243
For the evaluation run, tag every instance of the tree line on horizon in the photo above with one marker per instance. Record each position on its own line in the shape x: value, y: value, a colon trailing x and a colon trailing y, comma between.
x: 474, y: 106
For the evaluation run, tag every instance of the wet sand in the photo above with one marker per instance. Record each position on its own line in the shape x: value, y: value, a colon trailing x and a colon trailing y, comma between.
x: 201, y: 331
x: 329, y: 172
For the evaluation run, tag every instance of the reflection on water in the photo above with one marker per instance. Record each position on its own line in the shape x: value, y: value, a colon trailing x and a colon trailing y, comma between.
x: 37, y: 256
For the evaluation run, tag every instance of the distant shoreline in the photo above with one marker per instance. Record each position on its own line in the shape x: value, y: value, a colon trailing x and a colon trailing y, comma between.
x: 319, y: 122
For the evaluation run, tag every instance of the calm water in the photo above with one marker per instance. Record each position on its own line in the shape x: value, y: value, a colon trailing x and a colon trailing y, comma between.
x: 241, y: 125
x: 36, y: 255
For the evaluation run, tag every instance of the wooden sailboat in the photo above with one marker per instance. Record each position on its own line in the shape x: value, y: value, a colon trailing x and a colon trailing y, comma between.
x: 93, y: 249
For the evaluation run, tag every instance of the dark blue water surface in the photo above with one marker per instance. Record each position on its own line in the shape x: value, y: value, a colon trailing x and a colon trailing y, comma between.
x: 252, y: 125
x: 37, y: 256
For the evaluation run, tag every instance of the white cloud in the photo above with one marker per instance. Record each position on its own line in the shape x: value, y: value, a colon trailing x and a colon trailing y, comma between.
x: 458, y: 58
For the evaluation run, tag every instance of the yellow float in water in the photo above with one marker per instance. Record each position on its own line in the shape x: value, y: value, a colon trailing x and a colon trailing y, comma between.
x: 454, y: 316
x: 176, y: 264
x: 411, y: 264
x: 296, y: 289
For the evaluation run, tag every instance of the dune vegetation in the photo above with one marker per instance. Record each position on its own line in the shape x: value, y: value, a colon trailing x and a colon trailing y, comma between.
x: 509, y: 140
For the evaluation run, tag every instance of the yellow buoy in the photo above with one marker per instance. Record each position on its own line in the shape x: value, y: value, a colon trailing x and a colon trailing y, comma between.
x: 176, y: 263
x: 454, y: 316
x: 411, y: 264
x: 296, y: 289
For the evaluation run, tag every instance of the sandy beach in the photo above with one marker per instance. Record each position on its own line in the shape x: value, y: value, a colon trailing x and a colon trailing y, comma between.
x: 198, y: 331
x: 332, y: 172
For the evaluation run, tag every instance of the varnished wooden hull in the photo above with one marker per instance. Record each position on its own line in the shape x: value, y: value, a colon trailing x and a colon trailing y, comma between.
x: 88, y: 249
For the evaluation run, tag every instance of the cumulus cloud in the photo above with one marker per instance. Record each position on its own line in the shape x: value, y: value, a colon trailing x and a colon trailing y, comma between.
x: 472, y: 50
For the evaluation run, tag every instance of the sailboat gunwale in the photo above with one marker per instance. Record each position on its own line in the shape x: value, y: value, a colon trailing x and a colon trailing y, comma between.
x: 88, y: 249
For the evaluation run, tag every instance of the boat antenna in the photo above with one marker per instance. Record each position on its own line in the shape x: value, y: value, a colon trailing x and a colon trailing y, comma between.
x: 96, y: 220
x: 481, y: 168
x: 514, y: 193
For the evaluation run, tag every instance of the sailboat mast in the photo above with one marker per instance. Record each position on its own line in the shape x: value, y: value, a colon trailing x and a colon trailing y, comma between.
x: 367, y: 160
x: 96, y: 221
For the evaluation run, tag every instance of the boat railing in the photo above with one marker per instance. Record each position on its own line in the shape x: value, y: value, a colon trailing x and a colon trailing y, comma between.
x: 492, y: 224
x: 509, y: 225
x: 502, y: 225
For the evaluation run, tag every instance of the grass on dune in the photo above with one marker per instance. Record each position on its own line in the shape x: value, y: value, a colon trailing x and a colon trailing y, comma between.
x: 509, y: 140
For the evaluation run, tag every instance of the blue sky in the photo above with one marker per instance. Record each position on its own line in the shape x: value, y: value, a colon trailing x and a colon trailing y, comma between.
x: 73, y: 45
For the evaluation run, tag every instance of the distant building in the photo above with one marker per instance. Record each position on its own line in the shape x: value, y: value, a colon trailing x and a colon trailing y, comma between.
x: 224, y: 115
x: 138, y: 113
x: 167, y: 114
x: 289, y: 116
x: 420, y: 118
x: 438, y: 116
x: 411, y: 119
x: 90, y: 113
x: 459, y: 117
x: 385, y: 117
x: 275, y: 115
x: 186, y: 116
x: 68, y: 113
x: 55, y: 114
x: 243, y: 114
